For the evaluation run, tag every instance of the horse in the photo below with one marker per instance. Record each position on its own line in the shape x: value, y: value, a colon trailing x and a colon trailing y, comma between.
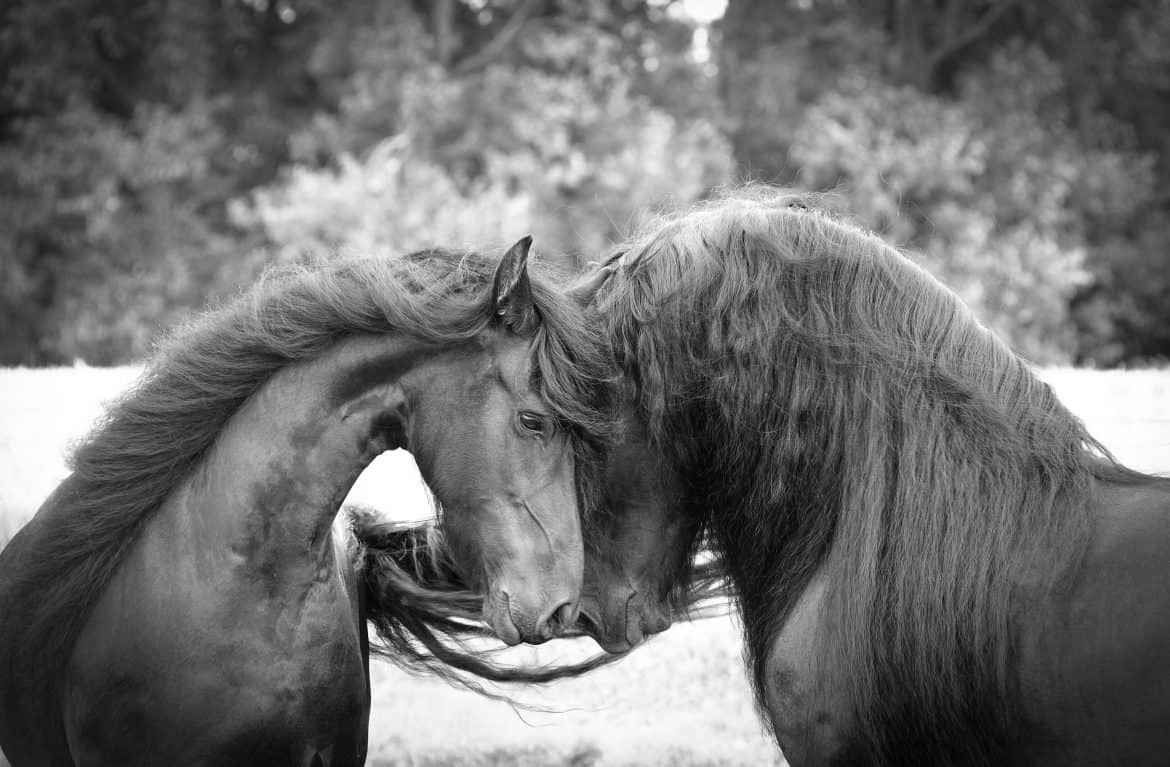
x: 933, y: 560
x: 639, y: 552
x: 187, y: 594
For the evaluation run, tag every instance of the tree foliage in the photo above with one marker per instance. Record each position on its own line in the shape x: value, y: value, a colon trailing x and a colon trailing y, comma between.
x: 525, y: 145
x: 1018, y: 149
x: 992, y: 195
x: 158, y: 153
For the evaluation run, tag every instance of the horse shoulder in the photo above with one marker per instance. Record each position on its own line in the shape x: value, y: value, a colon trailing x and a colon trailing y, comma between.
x: 1095, y: 656
x: 810, y: 716
x: 202, y: 661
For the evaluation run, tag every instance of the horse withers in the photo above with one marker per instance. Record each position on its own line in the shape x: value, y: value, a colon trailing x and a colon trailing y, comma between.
x: 934, y: 561
x: 184, y: 596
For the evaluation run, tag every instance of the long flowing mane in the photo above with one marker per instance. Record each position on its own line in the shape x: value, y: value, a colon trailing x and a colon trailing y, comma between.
x: 161, y: 430
x: 841, y: 412
x: 424, y: 616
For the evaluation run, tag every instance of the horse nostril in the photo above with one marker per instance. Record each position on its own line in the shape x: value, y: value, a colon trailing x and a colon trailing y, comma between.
x: 656, y: 623
x: 561, y: 619
x: 586, y: 624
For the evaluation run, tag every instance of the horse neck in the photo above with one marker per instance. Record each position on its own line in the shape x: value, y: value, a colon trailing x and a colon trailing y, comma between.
x: 271, y: 486
x: 932, y: 507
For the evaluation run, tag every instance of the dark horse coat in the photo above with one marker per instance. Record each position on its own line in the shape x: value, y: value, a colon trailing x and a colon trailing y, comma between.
x: 184, y: 597
x: 935, y: 562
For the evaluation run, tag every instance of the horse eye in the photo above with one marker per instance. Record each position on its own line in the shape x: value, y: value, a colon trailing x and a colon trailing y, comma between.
x: 532, y: 422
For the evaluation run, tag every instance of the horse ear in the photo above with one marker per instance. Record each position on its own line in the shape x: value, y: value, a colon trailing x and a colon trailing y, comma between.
x: 584, y: 290
x: 512, y: 293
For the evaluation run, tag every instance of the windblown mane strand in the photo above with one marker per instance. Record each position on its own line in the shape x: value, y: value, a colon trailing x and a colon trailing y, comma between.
x: 153, y: 438
x: 426, y: 620
x: 842, y: 411
x: 424, y: 617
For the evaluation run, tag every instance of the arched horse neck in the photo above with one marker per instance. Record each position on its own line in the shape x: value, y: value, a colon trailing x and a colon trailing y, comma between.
x: 927, y: 496
x: 275, y: 478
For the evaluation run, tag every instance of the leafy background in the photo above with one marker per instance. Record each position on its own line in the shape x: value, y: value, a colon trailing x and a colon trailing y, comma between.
x: 156, y: 154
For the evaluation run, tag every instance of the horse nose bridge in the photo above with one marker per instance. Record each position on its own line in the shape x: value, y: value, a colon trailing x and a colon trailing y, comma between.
x: 521, y: 541
x: 554, y: 519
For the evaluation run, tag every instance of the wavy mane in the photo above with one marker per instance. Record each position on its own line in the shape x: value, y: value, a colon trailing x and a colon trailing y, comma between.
x: 427, y: 621
x: 424, y: 617
x: 841, y: 411
x: 161, y: 430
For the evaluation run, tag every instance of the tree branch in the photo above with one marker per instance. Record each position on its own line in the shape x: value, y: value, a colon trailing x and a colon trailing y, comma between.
x: 442, y: 18
x: 972, y: 33
x: 115, y: 84
x: 498, y: 44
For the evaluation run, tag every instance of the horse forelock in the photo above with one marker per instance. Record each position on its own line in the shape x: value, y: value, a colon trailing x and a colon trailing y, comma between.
x: 155, y: 435
x: 573, y: 372
x: 841, y: 411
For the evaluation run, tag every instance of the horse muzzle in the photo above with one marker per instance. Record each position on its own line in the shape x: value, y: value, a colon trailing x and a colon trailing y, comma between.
x: 514, y: 623
x: 623, y: 620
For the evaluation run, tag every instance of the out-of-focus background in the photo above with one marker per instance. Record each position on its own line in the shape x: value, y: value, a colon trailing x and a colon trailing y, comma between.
x: 156, y: 155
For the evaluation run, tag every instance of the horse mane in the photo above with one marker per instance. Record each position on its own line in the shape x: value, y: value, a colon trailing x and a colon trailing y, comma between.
x: 426, y: 620
x: 153, y: 438
x: 842, y: 412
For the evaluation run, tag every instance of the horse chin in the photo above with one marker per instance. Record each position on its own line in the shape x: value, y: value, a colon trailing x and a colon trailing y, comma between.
x: 616, y: 648
x: 634, y: 635
x: 655, y: 622
x: 641, y: 623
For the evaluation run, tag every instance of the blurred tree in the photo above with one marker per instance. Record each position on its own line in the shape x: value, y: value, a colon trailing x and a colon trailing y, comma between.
x: 1019, y: 148
x: 983, y: 190
x: 156, y: 152
x: 1115, y: 57
x: 103, y: 223
x: 530, y: 109
x: 124, y: 129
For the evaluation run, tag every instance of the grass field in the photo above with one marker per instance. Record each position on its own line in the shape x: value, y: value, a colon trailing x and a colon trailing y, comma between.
x: 682, y: 700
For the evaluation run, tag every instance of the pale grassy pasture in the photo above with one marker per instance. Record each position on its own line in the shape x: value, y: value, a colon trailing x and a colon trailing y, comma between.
x: 681, y: 700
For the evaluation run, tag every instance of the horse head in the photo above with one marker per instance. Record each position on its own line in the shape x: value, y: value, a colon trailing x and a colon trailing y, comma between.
x: 639, y: 547
x: 502, y: 467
